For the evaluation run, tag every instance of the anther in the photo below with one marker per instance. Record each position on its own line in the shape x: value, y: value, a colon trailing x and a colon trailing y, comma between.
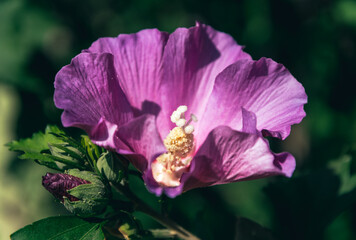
x: 189, y: 129
x: 192, y: 118
x: 181, y: 122
x: 175, y: 116
x: 182, y: 109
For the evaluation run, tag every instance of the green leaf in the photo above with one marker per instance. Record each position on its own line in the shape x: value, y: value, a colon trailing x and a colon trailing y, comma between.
x: 111, y: 167
x: 37, y: 143
x: 70, y: 141
x: 52, y: 149
x: 34, y: 148
x: 92, y: 150
x: 342, y: 168
x: 66, y: 151
x: 60, y: 228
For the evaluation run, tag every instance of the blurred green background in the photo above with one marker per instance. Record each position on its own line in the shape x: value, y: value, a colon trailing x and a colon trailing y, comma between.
x: 314, y: 39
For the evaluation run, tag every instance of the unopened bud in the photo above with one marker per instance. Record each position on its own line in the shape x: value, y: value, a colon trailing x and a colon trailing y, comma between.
x: 82, y: 193
x: 59, y: 183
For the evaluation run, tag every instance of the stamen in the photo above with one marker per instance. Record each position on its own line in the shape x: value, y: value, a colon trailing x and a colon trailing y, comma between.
x: 168, y: 168
x: 175, y: 116
x: 189, y: 129
x: 182, y: 109
x: 192, y: 116
x: 181, y: 122
x: 178, y: 143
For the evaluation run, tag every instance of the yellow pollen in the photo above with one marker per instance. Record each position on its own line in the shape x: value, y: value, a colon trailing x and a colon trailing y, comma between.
x: 178, y: 143
x: 168, y: 168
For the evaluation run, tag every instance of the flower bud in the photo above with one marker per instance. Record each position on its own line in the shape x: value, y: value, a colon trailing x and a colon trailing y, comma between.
x: 59, y: 183
x: 82, y: 193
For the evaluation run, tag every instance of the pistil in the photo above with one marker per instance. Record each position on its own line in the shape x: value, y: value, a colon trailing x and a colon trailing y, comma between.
x: 168, y: 168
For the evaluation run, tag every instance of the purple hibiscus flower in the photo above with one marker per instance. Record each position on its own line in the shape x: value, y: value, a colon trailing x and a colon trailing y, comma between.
x: 188, y: 109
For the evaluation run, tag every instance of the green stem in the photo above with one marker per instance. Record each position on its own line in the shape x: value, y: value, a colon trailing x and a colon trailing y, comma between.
x: 165, y: 221
x: 163, y: 233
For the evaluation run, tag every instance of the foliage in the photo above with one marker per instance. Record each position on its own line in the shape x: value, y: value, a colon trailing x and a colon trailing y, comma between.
x: 52, y: 149
x: 61, y: 228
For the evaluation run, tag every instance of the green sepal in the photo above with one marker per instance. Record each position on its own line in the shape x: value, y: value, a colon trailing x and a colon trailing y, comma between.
x: 85, y: 208
x: 93, y: 151
x: 86, y: 175
x: 93, y: 197
x: 111, y: 167
x: 89, y: 191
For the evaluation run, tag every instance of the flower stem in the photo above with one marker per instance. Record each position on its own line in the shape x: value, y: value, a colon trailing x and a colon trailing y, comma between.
x: 165, y: 221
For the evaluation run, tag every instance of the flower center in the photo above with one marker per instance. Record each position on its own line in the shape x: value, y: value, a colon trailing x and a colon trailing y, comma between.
x: 168, y: 168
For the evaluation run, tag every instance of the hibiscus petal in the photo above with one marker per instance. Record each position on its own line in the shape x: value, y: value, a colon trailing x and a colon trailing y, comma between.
x: 249, y: 121
x: 151, y: 183
x: 145, y: 145
x: 229, y: 156
x: 192, y: 59
x: 102, y: 134
x: 138, y: 64
x: 263, y: 87
x: 143, y: 140
x: 155, y: 188
x: 88, y: 92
